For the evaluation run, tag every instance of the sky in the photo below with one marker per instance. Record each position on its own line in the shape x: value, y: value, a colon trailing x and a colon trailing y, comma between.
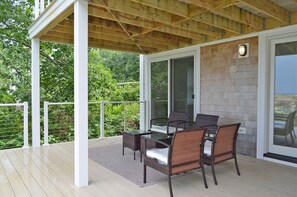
x: 286, y: 74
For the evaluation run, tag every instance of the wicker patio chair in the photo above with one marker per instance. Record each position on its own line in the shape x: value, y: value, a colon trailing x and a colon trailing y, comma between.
x: 203, y: 121
x: 287, y: 128
x: 184, y: 154
x: 171, y: 123
x: 222, y: 147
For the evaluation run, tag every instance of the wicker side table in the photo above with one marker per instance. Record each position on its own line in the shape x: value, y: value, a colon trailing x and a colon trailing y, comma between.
x: 131, y: 139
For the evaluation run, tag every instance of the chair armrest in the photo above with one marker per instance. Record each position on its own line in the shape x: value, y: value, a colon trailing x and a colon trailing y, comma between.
x: 151, y: 121
x: 185, y: 123
x: 208, y: 127
x: 178, y: 122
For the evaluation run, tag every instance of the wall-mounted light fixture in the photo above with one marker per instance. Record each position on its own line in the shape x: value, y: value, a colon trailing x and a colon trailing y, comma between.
x: 243, y: 50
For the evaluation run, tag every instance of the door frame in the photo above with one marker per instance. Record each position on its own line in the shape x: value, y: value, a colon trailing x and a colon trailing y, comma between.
x: 264, y: 87
x: 173, y: 55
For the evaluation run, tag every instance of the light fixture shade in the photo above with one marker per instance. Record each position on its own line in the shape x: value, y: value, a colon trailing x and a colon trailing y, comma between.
x: 243, y: 50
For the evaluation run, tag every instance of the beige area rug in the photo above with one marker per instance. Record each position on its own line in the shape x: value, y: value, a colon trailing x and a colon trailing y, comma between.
x: 111, y: 158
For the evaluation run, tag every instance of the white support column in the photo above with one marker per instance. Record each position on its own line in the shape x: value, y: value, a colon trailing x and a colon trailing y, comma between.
x: 35, y: 83
x: 81, y: 93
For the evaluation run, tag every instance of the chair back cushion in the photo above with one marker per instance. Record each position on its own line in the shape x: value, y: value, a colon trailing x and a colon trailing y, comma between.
x: 204, y: 120
x: 290, y: 122
x: 175, y: 116
x: 186, y: 150
x: 225, y: 142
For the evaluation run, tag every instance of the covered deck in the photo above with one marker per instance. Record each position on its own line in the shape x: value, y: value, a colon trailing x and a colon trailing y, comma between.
x: 49, y: 171
x: 147, y: 27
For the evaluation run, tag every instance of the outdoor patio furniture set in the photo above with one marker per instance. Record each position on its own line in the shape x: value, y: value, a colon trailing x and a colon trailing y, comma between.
x: 189, y: 147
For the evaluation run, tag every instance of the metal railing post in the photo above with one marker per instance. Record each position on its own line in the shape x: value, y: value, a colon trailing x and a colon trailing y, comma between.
x: 101, y: 120
x: 124, y: 115
x: 144, y: 116
x: 45, y: 123
x: 26, y: 138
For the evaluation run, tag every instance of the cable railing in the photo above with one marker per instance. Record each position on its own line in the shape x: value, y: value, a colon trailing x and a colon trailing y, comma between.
x: 106, y: 118
x: 14, y: 125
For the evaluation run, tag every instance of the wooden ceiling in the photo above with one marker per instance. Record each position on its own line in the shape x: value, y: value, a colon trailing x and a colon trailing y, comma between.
x: 150, y: 26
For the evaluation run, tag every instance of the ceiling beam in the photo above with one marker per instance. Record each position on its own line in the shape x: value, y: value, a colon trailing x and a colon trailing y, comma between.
x: 269, y: 8
x: 171, y: 6
x: 109, y: 35
x: 136, y: 9
x: 219, y: 22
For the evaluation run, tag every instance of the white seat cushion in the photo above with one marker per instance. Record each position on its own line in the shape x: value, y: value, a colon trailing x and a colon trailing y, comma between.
x: 161, y: 154
x: 207, y: 147
x: 161, y: 129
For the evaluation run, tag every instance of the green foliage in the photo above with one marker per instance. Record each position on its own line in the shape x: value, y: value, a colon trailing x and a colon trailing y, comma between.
x: 106, y: 70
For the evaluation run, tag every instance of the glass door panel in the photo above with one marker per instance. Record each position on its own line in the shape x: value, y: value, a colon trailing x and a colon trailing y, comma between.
x: 182, y: 89
x: 159, y: 90
x: 284, y: 58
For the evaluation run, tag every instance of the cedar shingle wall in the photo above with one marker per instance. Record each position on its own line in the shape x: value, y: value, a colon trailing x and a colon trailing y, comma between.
x: 229, y: 88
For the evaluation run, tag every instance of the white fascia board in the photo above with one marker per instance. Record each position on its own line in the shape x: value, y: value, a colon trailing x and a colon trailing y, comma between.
x: 56, y: 8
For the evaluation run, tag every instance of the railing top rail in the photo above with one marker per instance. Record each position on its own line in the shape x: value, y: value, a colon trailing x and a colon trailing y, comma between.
x: 12, y: 104
x: 105, y: 102
x: 60, y: 103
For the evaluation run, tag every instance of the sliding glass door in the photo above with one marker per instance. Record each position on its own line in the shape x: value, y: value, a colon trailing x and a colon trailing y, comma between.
x: 283, y: 127
x: 172, y: 87
x: 182, y: 85
x: 159, y: 89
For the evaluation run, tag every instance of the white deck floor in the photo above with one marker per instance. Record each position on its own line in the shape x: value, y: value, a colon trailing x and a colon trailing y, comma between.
x: 48, y: 171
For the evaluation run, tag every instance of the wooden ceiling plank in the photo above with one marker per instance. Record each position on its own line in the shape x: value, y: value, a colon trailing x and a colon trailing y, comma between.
x: 198, y: 27
x: 171, y: 6
x: 219, y: 22
x: 92, y: 28
x: 123, y: 27
x: 241, y: 16
x: 269, y: 8
x: 102, y: 38
x: 129, y: 19
x: 124, y: 49
x: 129, y: 7
x: 117, y: 44
x: 111, y: 36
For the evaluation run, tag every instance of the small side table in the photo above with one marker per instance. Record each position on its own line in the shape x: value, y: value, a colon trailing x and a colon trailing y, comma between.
x: 131, y: 139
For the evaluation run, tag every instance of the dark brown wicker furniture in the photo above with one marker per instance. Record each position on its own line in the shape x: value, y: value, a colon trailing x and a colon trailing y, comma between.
x: 222, y: 148
x: 204, y: 121
x: 184, y: 154
x: 286, y: 128
x: 131, y: 139
x: 172, y: 121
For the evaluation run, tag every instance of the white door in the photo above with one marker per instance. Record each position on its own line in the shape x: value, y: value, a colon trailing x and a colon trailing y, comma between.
x: 283, y: 96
